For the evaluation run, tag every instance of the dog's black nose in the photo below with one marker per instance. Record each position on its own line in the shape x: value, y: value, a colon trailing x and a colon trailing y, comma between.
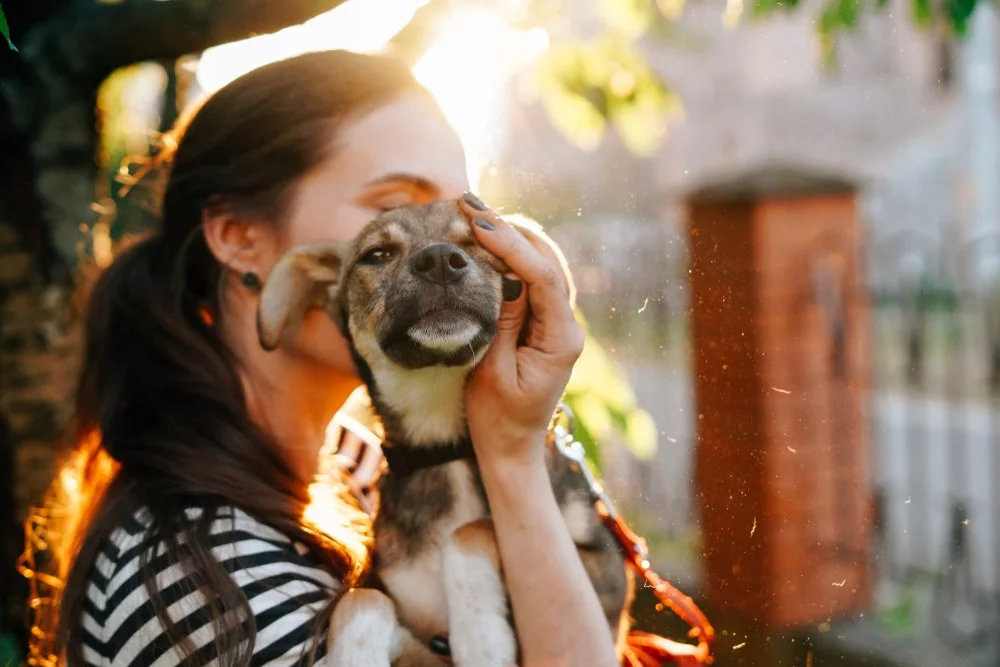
x: 440, y: 263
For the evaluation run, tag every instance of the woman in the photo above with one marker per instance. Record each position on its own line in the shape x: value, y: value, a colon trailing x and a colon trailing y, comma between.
x: 201, y: 450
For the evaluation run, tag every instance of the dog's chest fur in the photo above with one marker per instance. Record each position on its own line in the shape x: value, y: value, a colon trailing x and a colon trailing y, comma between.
x: 417, y: 514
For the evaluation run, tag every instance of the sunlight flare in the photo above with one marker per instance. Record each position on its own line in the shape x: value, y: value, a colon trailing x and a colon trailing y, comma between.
x: 356, y: 26
x: 467, y: 68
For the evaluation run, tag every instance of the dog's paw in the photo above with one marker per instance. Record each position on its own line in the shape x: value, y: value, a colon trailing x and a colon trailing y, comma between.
x: 483, y: 640
x: 479, y: 630
x: 364, y: 631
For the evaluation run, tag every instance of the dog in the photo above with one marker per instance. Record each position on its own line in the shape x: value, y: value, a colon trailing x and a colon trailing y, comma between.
x: 418, y: 300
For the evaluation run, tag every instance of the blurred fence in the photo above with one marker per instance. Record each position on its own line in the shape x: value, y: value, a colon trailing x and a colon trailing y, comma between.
x: 934, y: 408
x: 935, y: 416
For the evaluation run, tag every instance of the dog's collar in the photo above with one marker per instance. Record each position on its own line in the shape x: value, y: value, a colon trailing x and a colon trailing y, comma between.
x: 407, y: 460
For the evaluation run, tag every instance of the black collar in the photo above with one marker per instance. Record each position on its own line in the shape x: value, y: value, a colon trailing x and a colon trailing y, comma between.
x: 407, y: 460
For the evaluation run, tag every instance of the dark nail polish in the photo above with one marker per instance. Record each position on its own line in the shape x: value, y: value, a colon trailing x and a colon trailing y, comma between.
x: 474, y: 201
x: 440, y: 645
x: 484, y: 223
x: 511, y: 288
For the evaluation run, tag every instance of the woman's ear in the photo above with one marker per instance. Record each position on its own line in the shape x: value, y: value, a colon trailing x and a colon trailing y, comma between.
x: 304, y: 278
x: 238, y: 243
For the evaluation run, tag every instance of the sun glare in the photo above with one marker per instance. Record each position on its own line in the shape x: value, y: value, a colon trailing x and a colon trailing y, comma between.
x: 466, y: 68
x: 355, y: 25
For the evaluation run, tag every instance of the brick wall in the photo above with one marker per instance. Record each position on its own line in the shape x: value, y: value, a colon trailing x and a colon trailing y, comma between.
x: 782, y: 466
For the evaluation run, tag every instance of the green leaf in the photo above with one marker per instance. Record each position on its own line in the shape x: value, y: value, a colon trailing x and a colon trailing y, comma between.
x: 642, y: 434
x: 585, y: 85
x: 629, y: 17
x: 922, y: 12
x: 605, y: 404
x: 847, y: 12
x: 567, y: 97
x: 596, y: 375
x: 671, y: 9
x: 762, y: 8
x: 959, y: 14
x: 5, y: 30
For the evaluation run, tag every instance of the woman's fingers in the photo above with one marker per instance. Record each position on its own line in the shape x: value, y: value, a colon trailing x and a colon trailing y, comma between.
x: 546, y: 286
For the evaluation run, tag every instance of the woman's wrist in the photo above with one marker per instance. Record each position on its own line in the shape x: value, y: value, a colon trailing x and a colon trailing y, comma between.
x: 518, y: 485
x: 510, y: 452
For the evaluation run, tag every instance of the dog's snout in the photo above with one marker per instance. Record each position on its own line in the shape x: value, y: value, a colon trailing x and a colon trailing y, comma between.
x: 440, y: 263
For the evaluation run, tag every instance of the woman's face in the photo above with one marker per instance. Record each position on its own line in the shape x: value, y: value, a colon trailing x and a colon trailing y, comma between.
x: 401, y: 153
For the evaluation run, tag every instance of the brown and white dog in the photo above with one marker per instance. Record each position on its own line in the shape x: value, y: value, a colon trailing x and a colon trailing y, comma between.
x: 418, y: 300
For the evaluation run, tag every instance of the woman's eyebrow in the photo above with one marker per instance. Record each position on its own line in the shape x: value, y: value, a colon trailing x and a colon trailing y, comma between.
x: 403, y: 178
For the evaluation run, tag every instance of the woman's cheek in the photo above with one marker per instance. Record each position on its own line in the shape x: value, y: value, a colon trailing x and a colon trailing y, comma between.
x: 321, y: 341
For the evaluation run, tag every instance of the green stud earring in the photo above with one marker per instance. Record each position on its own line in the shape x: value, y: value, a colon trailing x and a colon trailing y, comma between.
x: 251, y: 281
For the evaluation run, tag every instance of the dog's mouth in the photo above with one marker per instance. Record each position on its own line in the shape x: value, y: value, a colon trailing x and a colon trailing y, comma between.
x: 450, y: 335
x: 445, y: 330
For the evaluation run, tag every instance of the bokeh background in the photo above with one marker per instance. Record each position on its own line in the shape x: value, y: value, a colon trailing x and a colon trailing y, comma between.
x: 784, y: 221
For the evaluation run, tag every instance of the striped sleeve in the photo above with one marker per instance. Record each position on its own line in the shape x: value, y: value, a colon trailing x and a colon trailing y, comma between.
x: 284, y: 587
x: 357, y: 447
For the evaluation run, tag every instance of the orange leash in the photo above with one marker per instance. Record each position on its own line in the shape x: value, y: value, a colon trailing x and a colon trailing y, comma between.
x: 642, y: 648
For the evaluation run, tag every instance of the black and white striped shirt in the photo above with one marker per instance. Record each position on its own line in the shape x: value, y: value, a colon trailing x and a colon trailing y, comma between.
x: 284, y: 586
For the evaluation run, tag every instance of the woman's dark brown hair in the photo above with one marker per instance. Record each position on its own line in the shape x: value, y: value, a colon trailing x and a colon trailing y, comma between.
x: 161, y: 419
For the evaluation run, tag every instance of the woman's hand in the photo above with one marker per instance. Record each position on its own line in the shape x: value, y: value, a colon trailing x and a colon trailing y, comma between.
x: 514, y: 390
x: 509, y: 402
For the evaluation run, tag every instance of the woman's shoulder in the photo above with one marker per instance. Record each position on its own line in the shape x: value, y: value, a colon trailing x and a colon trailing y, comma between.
x: 236, y: 538
x: 283, y: 584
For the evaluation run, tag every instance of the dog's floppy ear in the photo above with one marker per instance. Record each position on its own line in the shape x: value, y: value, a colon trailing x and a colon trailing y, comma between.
x: 533, y: 231
x: 300, y: 281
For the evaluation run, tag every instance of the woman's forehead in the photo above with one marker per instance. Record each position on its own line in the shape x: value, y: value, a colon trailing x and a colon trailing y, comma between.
x: 406, y: 136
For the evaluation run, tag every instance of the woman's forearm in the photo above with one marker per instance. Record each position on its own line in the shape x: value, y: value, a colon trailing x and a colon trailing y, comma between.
x: 557, y: 614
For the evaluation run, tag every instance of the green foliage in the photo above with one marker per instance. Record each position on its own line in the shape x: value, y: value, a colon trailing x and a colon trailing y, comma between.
x: 5, y: 30
x: 591, y: 85
x: 605, y: 405
x: 627, y: 17
x: 587, y: 85
x: 839, y: 16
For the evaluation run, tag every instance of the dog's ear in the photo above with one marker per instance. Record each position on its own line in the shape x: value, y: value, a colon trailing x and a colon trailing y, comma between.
x: 300, y: 281
x: 542, y: 242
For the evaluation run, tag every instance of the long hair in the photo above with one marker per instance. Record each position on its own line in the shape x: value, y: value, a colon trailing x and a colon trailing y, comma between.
x: 161, y: 420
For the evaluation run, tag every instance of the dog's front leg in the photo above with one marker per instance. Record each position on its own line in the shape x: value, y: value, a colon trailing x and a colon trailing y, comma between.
x: 365, y: 632
x: 479, y: 627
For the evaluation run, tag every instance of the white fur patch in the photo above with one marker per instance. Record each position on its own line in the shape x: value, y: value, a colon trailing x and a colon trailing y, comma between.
x: 480, y: 632
x: 369, y: 637
x: 430, y: 401
x: 445, y: 339
x: 417, y: 584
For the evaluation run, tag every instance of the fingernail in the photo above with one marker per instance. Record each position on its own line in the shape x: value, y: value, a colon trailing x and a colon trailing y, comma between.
x: 440, y: 645
x: 511, y: 288
x: 484, y: 223
x: 474, y: 201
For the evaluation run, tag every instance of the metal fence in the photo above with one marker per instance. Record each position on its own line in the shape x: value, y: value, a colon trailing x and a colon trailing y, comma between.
x: 935, y: 413
x: 934, y: 409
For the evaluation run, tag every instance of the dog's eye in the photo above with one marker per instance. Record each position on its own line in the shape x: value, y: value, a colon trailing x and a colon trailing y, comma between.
x: 376, y: 256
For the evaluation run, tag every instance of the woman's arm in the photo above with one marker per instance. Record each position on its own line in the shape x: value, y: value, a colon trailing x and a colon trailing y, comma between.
x: 511, y: 398
x: 557, y: 614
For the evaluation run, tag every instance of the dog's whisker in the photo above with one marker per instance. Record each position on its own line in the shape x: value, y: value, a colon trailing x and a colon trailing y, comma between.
x: 475, y: 359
